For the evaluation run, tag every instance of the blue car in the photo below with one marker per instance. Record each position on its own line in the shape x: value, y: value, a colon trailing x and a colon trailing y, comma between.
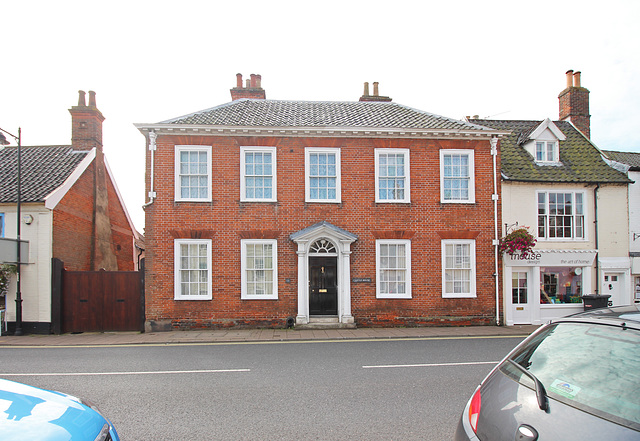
x: 576, y: 378
x: 30, y: 413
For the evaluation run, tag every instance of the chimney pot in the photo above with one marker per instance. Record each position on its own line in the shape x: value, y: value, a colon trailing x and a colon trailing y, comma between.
x: 375, y: 88
x: 239, y: 81
x: 81, y: 99
x: 92, y: 99
x: 248, y: 83
x: 253, y: 81
x: 569, y: 78
x: 576, y: 79
x: 259, y: 81
x: 366, y: 88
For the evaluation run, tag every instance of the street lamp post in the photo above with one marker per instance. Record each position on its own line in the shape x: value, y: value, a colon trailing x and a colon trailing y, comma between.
x: 3, y: 142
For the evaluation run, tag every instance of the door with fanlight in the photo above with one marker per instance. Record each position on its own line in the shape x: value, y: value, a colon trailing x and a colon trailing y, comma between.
x: 520, y: 297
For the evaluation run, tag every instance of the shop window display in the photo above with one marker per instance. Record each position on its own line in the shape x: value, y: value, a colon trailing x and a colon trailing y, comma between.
x: 560, y: 285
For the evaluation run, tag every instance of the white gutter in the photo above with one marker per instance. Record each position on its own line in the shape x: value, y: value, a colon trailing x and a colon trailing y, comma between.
x: 496, y: 241
x: 152, y: 149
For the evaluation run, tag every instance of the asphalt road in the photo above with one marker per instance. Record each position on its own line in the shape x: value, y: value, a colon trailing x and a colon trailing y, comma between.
x: 357, y: 390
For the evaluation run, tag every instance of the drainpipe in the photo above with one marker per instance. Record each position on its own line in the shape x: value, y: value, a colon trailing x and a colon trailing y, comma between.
x: 152, y: 149
x: 595, y: 204
x: 496, y: 241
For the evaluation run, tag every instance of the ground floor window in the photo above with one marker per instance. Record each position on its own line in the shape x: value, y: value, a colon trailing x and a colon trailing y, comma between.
x: 259, y: 269
x: 192, y: 262
x: 393, y: 261
x: 560, y: 285
x: 459, y: 268
x: 637, y: 295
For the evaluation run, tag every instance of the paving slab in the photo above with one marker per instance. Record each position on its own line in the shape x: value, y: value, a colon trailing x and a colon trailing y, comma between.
x: 259, y: 335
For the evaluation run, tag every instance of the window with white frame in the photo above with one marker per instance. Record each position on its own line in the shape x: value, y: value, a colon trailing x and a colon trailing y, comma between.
x: 458, y: 268
x: 322, y: 167
x: 393, y: 263
x: 259, y: 269
x: 192, y: 269
x: 193, y: 173
x: 561, y: 215
x: 547, y: 151
x: 457, y: 181
x: 258, y: 174
x: 392, y: 175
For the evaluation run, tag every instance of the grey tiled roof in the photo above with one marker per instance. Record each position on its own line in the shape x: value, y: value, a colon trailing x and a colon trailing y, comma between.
x: 581, y: 161
x: 43, y: 169
x: 321, y: 114
x: 629, y: 158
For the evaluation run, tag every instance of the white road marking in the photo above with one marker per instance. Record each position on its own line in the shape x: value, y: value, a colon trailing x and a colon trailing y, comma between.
x: 469, y: 363
x: 71, y: 374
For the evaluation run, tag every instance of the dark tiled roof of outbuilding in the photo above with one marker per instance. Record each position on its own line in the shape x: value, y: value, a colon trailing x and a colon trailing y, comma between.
x: 321, y: 114
x: 581, y: 160
x: 43, y: 169
x: 629, y: 158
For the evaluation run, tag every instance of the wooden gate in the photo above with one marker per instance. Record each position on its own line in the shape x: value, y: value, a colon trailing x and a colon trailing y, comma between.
x: 98, y: 301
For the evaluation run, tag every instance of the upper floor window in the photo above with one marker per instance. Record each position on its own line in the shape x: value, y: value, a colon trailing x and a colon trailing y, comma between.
x: 258, y: 174
x: 392, y: 175
x: 193, y: 173
x: 393, y: 262
x: 259, y: 268
x: 458, y: 268
x: 192, y: 269
x: 561, y: 215
x: 547, y: 151
x: 322, y: 174
x: 457, y: 181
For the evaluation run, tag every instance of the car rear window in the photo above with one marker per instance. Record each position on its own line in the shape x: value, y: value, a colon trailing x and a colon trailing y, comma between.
x: 595, y: 368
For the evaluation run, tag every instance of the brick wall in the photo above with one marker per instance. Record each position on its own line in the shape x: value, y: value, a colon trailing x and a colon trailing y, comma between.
x: 225, y: 219
x: 74, y: 229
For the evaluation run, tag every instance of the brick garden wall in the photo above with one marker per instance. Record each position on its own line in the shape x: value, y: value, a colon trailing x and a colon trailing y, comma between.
x: 225, y: 220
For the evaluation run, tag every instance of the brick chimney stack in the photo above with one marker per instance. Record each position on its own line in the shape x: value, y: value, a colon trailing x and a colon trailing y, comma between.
x: 253, y: 89
x: 86, y: 123
x: 574, y: 104
x: 375, y: 96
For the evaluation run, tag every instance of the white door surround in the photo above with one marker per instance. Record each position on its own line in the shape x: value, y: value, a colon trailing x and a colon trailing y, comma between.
x: 341, y: 241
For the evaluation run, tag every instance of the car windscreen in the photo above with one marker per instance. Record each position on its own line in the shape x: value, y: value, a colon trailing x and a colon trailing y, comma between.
x: 593, y: 367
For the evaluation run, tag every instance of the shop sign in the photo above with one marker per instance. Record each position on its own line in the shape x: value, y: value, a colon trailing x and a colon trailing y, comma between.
x: 551, y: 258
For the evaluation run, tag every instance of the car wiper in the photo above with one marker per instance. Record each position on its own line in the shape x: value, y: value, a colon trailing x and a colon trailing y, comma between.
x: 541, y: 393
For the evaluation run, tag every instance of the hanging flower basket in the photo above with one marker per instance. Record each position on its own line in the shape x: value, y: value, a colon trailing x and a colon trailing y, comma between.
x: 519, y: 241
x: 6, y: 270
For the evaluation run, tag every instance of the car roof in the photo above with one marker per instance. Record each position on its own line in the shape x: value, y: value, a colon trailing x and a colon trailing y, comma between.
x: 628, y: 316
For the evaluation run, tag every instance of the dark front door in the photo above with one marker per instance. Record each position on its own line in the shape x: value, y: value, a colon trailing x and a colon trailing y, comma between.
x: 323, y: 285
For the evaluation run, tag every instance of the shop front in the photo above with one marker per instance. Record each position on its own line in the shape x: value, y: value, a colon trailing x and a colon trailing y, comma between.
x: 546, y: 284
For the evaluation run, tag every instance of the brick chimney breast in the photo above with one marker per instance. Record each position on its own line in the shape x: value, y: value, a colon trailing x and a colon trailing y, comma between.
x: 574, y: 104
x: 252, y: 90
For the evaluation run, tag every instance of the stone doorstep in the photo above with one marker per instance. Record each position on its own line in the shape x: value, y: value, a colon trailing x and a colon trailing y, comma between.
x: 320, y: 322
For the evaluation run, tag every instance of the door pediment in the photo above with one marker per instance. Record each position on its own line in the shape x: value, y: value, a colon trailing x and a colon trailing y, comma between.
x: 326, y: 229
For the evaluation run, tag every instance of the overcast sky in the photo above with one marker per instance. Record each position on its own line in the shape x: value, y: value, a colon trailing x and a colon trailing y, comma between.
x: 149, y: 61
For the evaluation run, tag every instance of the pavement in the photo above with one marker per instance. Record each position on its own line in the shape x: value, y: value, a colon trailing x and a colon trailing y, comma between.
x: 222, y: 336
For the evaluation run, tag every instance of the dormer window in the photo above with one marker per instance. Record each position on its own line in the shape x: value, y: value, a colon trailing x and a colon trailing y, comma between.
x: 547, y: 151
x: 543, y: 142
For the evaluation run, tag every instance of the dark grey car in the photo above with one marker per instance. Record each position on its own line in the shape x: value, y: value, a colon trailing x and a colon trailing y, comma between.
x: 577, y: 378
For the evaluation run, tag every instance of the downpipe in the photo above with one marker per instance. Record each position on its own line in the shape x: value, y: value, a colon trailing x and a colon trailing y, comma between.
x: 152, y: 149
x: 496, y: 241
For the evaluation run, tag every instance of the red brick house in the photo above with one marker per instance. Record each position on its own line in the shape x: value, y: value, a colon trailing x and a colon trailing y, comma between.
x: 71, y: 210
x: 266, y: 212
